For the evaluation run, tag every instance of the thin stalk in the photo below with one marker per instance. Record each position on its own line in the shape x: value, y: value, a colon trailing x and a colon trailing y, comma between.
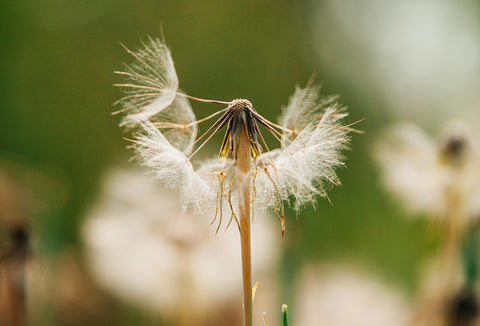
x: 455, y: 224
x: 16, y: 294
x: 15, y: 267
x: 453, y: 235
x: 188, y: 311
x: 433, y: 311
x: 243, y: 182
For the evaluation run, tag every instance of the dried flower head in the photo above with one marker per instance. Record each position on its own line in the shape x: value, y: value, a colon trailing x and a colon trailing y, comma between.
x: 422, y: 172
x: 310, y: 134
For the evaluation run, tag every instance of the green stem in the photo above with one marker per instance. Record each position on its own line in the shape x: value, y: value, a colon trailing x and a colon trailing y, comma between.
x: 284, y: 315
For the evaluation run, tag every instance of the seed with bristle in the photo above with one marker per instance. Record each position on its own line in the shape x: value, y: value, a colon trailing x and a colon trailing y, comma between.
x: 310, y: 135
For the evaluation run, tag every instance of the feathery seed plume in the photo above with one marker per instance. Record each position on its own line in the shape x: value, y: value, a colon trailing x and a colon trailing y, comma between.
x: 310, y: 134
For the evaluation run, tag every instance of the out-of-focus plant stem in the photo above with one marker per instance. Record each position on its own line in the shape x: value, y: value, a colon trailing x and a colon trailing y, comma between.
x: 15, y: 265
x: 284, y: 315
x: 456, y: 223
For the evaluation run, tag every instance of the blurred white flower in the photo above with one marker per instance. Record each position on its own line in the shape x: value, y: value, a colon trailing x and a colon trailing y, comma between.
x: 440, y: 178
x: 336, y: 296
x: 421, y: 57
x: 424, y: 173
x: 310, y: 135
x: 25, y: 193
x: 141, y: 247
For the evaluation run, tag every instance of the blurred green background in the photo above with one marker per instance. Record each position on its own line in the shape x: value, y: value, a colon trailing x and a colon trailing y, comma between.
x: 57, y: 60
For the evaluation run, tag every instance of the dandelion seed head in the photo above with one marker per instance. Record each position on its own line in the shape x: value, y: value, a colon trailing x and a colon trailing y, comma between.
x: 417, y: 168
x: 241, y: 104
x: 454, y: 148
x: 310, y: 134
x: 455, y: 144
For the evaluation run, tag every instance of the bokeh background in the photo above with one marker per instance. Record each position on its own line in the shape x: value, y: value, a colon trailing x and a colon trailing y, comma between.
x: 387, y: 60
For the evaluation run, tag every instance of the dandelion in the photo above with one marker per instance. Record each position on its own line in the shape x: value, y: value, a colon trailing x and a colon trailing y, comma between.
x: 144, y: 250
x: 421, y: 172
x: 439, y: 178
x: 15, y: 252
x: 442, y: 179
x: 335, y: 295
x: 246, y: 171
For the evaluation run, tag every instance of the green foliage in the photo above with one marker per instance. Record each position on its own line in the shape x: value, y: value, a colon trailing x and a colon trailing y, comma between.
x: 470, y: 257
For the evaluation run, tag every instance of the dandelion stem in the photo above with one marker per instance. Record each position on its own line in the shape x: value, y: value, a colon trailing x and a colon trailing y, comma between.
x: 16, y: 297
x: 16, y: 261
x: 455, y: 221
x: 243, y: 182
